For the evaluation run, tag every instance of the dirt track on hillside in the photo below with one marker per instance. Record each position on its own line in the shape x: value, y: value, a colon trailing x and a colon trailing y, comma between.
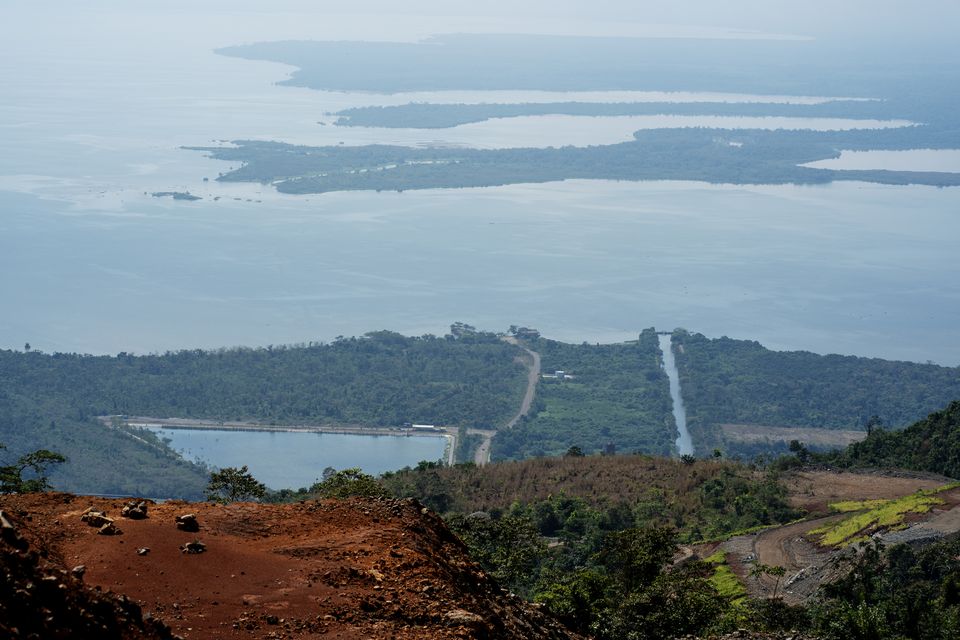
x: 807, y: 564
x: 482, y: 455
x: 814, y: 490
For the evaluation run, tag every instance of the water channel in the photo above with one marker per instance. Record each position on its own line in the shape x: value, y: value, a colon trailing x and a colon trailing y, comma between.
x: 684, y: 442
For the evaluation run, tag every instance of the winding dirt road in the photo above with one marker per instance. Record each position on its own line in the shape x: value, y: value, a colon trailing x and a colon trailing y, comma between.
x: 533, y: 376
x: 482, y: 455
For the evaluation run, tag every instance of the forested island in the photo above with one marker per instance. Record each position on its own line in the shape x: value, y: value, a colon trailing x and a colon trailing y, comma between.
x: 708, y: 155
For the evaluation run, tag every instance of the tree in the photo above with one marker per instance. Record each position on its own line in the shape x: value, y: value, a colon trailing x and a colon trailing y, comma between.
x: 231, y: 484
x: 873, y: 423
x: 349, y: 483
x: 509, y: 548
x: 761, y: 569
x: 37, y: 462
x: 635, y: 557
x: 797, y: 447
x: 574, y: 452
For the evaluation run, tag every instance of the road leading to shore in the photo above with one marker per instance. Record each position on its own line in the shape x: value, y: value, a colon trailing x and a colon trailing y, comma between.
x: 482, y: 455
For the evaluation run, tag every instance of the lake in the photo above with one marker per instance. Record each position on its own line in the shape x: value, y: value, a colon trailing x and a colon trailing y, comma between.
x: 946, y: 160
x: 95, y: 111
x: 284, y: 460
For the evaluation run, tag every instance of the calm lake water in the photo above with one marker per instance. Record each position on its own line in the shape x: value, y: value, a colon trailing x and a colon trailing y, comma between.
x: 941, y: 160
x: 292, y: 460
x: 94, y: 113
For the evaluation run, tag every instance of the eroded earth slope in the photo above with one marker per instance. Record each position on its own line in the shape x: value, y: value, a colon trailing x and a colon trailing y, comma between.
x: 328, y: 569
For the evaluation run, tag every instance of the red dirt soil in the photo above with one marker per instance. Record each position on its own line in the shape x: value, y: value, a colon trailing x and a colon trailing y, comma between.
x: 319, y: 569
x: 813, y: 491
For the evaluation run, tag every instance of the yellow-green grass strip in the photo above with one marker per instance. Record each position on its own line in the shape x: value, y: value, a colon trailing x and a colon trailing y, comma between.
x: 875, y: 514
x: 724, y: 580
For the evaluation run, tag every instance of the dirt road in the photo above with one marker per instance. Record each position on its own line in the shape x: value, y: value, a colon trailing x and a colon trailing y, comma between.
x: 482, y: 455
x: 807, y: 564
x: 533, y: 376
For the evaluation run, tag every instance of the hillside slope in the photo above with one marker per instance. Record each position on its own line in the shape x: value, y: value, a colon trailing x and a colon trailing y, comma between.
x: 932, y: 445
x: 351, y: 569
x: 39, y: 599
x: 740, y: 382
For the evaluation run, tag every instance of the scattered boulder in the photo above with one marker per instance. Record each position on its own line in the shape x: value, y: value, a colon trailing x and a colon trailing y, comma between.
x: 135, y: 510
x: 78, y: 571
x: 95, y: 518
x: 142, y: 551
x: 109, y: 529
x: 40, y: 599
x: 188, y: 522
x: 8, y: 533
x: 193, y: 547
x: 464, y: 618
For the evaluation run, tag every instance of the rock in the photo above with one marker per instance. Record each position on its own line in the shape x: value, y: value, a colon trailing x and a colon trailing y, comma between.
x: 78, y: 571
x: 8, y: 533
x: 135, y: 510
x: 142, y: 551
x: 463, y: 618
x: 95, y: 518
x: 109, y: 529
x: 193, y: 547
x: 188, y: 522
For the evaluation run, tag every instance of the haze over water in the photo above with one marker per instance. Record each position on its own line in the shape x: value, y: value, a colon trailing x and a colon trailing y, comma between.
x: 94, y: 114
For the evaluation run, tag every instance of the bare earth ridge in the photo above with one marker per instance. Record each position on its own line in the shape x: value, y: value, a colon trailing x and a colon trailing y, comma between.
x: 319, y: 569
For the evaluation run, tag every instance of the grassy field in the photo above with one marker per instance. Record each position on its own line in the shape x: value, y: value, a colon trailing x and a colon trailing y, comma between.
x: 869, y: 515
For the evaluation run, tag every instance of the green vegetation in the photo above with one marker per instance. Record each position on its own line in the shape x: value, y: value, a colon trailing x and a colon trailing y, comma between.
x: 28, y: 474
x: 724, y: 581
x: 380, y: 379
x: 741, y: 382
x: 932, y: 444
x: 593, y: 538
x: 231, y: 484
x: 879, y: 513
x: 618, y: 395
x: 708, y: 155
x: 894, y: 593
x: 594, y: 543
x: 580, y: 498
x: 467, y: 444
x: 624, y: 590
x: 847, y: 506
x: 101, y: 460
x: 347, y: 483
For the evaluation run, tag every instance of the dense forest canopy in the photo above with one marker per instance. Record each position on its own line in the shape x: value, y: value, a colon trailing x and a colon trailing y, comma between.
x: 739, y: 381
x: 733, y: 156
x: 931, y: 444
x: 380, y: 379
